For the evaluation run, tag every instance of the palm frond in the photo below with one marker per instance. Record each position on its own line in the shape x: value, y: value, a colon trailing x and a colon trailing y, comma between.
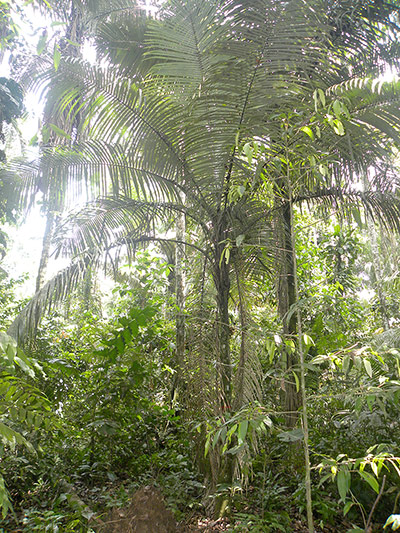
x: 50, y: 295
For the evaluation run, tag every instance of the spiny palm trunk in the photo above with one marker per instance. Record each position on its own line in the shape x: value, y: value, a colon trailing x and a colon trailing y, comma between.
x: 223, y: 285
x: 244, y: 355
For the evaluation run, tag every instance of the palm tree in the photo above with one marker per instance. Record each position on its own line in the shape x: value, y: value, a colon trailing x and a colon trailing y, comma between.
x: 172, y: 132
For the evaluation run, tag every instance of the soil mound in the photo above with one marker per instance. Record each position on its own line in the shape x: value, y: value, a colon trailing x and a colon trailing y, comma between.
x: 146, y: 513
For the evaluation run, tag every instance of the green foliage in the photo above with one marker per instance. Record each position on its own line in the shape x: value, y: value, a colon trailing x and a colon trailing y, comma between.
x: 11, y: 106
x: 226, y: 114
x: 21, y: 404
x: 271, y: 522
x: 10, y: 305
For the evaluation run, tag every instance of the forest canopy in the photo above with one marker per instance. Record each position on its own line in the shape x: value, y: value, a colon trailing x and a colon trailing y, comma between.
x: 222, y: 351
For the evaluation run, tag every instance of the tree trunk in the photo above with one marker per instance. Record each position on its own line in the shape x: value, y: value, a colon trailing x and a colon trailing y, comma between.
x: 72, y: 44
x: 180, y: 297
x: 286, y: 298
x: 44, y: 259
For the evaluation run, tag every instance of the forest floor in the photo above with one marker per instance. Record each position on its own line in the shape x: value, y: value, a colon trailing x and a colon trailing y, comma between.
x: 147, y: 513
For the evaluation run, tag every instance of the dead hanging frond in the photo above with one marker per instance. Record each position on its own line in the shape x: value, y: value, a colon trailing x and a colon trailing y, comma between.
x: 203, y: 388
x: 248, y: 377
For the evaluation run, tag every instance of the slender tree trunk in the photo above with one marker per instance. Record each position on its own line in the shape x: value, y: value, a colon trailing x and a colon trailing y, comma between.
x: 310, y: 519
x: 292, y: 396
x: 87, y: 290
x: 286, y: 298
x: 44, y: 259
x: 180, y: 297
x: 72, y: 43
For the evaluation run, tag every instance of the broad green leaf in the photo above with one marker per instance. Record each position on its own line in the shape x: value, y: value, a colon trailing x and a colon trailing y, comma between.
x: 346, y: 363
x: 343, y: 482
x: 338, y: 127
x: 242, y: 430
x: 235, y: 449
x: 324, y: 478
x: 323, y: 169
x: 10, y: 352
x: 347, y: 507
x: 337, y: 108
x: 368, y: 367
x: 134, y: 328
x: 231, y: 431
x: 369, y: 478
x: 248, y: 152
x: 321, y: 95
x: 308, y: 131
x: 308, y: 340
x: 216, y: 438
x: 22, y: 364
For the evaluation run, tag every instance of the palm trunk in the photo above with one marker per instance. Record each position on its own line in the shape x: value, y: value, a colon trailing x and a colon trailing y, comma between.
x: 223, y: 285
x: 239, y: 396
